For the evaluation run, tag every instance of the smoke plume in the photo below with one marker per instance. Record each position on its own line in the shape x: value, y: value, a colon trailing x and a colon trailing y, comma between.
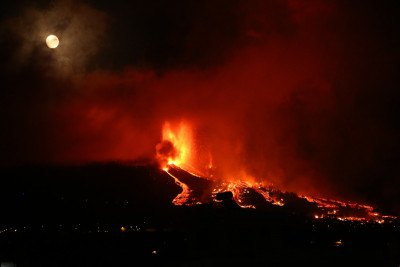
x: 301, y: 95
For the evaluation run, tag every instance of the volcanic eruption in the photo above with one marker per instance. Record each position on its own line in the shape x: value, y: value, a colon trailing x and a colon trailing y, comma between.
x: 200, y: 186
x: 213, y: 112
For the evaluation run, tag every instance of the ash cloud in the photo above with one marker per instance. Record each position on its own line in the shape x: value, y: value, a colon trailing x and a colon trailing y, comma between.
x: 303, y: 95
x: 165, y: 150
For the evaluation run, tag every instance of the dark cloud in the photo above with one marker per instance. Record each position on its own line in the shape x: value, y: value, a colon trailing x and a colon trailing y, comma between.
x: 303, y: 95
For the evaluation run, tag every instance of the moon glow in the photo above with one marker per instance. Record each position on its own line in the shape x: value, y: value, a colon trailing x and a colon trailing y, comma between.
x: 52, y: 41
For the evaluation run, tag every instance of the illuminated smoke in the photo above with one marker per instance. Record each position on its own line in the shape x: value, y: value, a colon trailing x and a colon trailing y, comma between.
x: 289, y: 94
x: 166, y: 152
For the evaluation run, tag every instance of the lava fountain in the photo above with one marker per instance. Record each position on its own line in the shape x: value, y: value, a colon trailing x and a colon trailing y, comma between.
x: 176, y: 145
x: 175, y: 150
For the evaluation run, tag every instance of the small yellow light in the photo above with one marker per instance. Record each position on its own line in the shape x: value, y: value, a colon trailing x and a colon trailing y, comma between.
x: 122, y: 229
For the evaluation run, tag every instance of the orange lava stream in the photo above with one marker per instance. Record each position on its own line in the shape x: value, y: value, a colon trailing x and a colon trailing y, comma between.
x: 185, y: 197
x: 181, y: 138
x: 240, y: 188
x: 237, y: 190
x: 328, y: 208
x: 332, y: 209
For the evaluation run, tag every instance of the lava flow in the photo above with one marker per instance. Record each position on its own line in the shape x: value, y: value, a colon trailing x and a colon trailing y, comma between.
x: 175, y: 150
x: 174, y: 156
x: 185, y: 197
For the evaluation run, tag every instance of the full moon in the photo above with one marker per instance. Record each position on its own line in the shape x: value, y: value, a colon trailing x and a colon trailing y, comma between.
x: 52, y: 41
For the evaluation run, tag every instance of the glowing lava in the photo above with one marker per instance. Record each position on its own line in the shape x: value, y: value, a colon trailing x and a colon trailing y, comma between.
x: 174, y: 149
x: 184, y: 198
x: 174, y: 154
x: 175, y: 146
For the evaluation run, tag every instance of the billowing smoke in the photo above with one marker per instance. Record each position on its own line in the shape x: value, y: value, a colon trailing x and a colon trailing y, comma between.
x: 302, y: 95
x: 164, y: 151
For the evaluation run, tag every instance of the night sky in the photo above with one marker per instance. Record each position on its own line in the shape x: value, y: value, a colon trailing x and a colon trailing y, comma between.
x: 303, y: 94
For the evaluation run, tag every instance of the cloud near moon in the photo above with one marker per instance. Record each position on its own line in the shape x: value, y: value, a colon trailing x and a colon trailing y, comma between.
x: 78, y: 23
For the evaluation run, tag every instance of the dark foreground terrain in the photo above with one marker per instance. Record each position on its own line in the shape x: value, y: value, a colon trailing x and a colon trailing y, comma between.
x: 119, y: 215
